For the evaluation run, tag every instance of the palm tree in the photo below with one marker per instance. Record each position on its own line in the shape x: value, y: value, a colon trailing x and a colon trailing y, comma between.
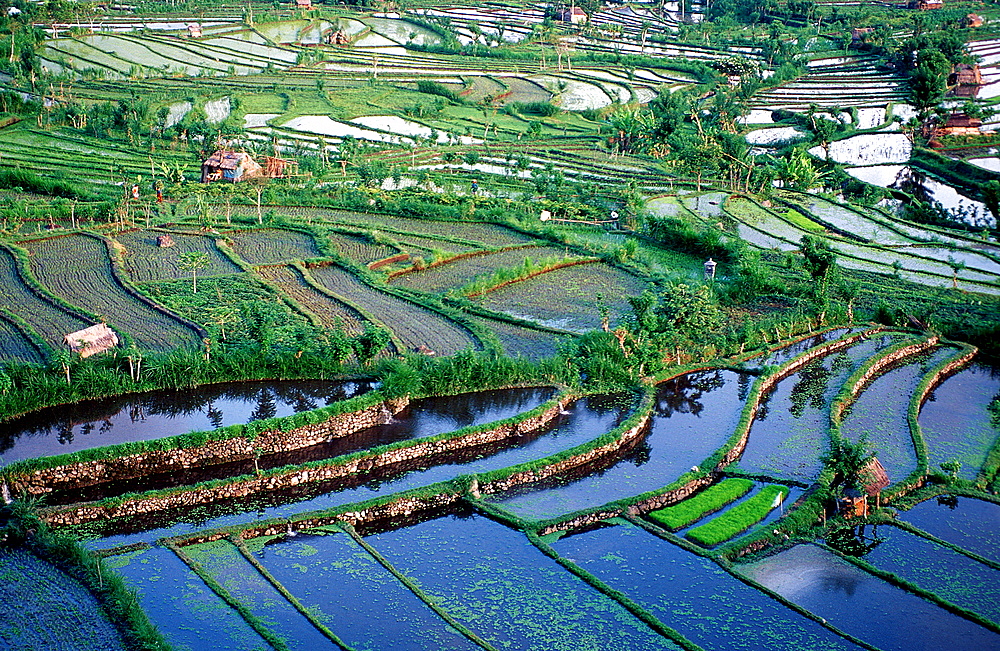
x: 193, y: 261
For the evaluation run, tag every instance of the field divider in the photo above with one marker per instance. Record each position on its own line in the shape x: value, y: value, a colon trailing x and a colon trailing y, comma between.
x: 710, y: 469
x: 532, y: 274
x: 619, y: 597
x: 233, y: 443
x: 930, y: 381
x: 412, y: 586
x: 454, y: 258
x: 253, y: 621
x: 357, y: 466
x: 292, y: 599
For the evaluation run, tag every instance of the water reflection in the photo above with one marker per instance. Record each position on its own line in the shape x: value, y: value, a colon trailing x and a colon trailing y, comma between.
x: 94, y: 423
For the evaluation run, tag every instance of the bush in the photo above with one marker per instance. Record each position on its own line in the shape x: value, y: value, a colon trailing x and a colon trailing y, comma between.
x: 435, y: 88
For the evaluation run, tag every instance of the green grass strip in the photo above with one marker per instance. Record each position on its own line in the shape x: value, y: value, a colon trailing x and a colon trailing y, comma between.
x: 415, y: 589
x: 707, y: 501
x: 273, y: 639
x: 292, y: 599
x: 739, y: 518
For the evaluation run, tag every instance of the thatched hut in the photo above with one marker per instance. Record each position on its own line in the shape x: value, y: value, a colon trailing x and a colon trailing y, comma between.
x: 966, y: 80
x: 194, y: 30
x: 872, y: 480
x: 230, y: 166
x: 860, y: 34
x: 164, y: 241
x: 925, y: 5
x: 90, y: 341
x: 303, y: 4
x: 959, y: 124
x: 574, y: 15
x: 973, y: 20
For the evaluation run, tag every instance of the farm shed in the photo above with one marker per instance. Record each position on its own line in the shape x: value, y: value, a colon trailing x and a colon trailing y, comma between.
x: 573, y: 15
x: 164, y: 241
x: 194, y: 30
x: 973, y: 20
x: 966, y: 80
x: 90, y: 341
x: 860, y: 34
x: 872, y: 480
x: 960, y: 125
x: 229, y: 165
x: 303, y: 4
x: 924, y: 5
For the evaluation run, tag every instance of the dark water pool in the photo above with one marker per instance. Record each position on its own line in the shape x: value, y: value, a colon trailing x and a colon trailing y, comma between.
x: 881, y: 412
x: 358, y: 599
x: 695, y: 414
x: 967, y: 523
x: 495, y: 582
x: 185, y: 610
x: 955, y: 421
x: 585, y: 420
x: 692, y: 594
x: 140, y: 417
x: 863, y: 605
x: 789, y: 434
x: 950, y: 575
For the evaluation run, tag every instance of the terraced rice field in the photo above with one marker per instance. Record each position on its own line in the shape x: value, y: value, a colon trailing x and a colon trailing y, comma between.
x: 272, y: 246
x: 359, y: 249
x: 146, y: 261
x: 15, y: 345
x: 76, y: 268
x: 414, y: 326
x: 567, y: 298
x: 49, y: 320
x: 453, y: 275
x: 330, y: 312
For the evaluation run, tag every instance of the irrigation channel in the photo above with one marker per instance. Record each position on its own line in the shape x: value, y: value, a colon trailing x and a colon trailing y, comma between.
x: 450, y: 568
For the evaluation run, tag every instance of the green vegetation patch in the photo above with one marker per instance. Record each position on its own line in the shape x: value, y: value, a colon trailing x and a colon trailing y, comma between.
x: 739, y: 518
x: 707, y: 501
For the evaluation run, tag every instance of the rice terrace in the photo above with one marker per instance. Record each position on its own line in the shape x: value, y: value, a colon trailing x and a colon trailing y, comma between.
x: 380, y: 325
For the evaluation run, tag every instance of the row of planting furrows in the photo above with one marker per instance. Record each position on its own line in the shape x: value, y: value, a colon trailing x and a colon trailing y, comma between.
x: 782, y: 228
x: 99, y: 161
x: 79, y: 271
x: 854, y: 82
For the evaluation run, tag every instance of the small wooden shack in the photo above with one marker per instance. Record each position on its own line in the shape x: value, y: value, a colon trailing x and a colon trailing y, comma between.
x: 164, y: 241
x: 229, y: 166
x: 965, y: 80
x: 973, y: 20
x: 90, y: 341
x: 303, y: 4
x: 194, y: 30
x: 574, y: 15
x: 337, y: 38
x: 279, y: 168
x: 872, y: 480
x: 925, y: 5
x: 860, y: 34
x: 959, y: 124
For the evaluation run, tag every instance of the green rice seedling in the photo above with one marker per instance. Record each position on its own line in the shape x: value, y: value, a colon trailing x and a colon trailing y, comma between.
x: 707, y: 501
x: 739, y: 518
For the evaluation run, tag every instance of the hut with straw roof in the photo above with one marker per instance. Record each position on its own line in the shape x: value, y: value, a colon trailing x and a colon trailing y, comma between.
x: 90, y: 341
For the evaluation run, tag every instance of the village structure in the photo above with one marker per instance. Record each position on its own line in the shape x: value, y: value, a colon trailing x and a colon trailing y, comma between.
x: 236, y: 166
x: 90, y: 341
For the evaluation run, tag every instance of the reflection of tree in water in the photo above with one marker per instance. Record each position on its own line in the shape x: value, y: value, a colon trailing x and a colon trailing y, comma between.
x: 66, y: 432
x: 640, y: 454
x: 301, y: 402
x: 743, y: 386
x: 266, y: 406
x: 683, y: 394
x: 214, y: 415
x: 846, y: 582
x: 913, y: 182
x: 810, y: 390
x: 854, y: 542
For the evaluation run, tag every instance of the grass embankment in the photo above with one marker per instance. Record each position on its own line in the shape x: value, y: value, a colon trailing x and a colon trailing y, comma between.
x: 707, y: 501
x: 739, y: 518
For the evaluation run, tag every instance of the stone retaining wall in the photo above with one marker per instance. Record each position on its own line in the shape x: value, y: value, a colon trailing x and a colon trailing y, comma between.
x: 200, y: 496
x: 88, y: 473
